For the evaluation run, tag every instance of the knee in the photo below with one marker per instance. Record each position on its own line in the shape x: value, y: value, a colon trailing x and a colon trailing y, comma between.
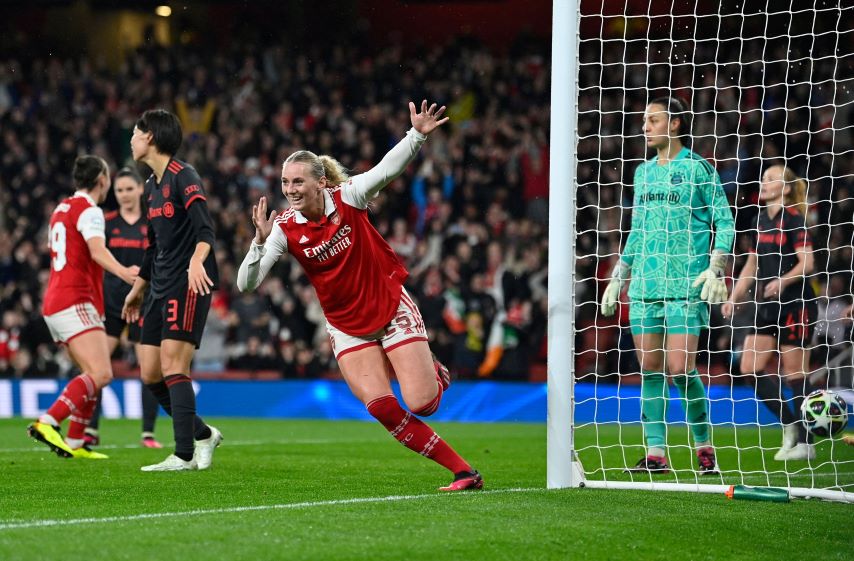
x: 677, y: 369
x: 103, y: 378
x: 427, y: 408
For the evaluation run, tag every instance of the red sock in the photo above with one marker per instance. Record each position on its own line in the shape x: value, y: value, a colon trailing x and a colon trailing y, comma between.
x: 415, y: 434
x: 79, y: 420
x: 74, y: 398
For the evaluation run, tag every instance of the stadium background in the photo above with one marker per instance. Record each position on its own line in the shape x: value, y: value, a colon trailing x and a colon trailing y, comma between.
x: 254, y: 81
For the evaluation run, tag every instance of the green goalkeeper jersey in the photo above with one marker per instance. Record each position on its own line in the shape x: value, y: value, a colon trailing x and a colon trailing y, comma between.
x: 677, y: 209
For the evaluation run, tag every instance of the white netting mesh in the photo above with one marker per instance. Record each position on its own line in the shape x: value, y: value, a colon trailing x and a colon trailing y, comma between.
x: 765, y: 85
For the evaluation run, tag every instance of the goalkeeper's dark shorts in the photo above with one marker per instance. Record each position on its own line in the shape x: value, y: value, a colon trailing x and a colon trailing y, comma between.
x: 791, y: 323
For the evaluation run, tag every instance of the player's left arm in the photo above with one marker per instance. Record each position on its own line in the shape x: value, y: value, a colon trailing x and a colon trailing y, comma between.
x: 711, y: 280
x: 365, y: 186
x: 193, y: 197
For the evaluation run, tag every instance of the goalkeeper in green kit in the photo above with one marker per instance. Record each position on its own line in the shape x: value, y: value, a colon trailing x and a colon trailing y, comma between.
x: 682, y: 231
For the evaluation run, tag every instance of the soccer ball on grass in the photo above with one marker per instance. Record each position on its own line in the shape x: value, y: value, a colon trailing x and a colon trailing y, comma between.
x: 824, y: 413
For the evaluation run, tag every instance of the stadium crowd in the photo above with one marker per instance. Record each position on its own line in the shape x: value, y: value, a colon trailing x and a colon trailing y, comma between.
x: 469, y: 217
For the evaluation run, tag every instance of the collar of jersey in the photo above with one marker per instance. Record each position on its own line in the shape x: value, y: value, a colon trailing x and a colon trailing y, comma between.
x: 683, y: 153
x: 86, y: 196
x: 328, y: 204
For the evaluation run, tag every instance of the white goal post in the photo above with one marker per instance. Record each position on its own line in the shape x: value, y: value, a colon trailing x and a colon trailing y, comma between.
x: 766, y: 84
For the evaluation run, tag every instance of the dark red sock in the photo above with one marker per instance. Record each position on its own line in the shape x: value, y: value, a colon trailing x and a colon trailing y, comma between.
x: 79, y: 420
x: 415, y: 434
x: 74, y: 398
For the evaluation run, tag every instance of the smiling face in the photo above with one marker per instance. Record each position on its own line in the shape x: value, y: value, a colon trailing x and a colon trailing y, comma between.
x: 658, y: 128
x: 773, y: 187
x: 128, y: 193
x: 303, y: 191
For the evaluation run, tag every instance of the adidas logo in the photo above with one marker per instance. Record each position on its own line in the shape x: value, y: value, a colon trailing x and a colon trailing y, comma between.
x: 303, y: 239
x: 174, y: 328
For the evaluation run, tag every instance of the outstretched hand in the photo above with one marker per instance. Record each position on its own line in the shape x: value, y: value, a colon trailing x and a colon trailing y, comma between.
x: 429, y: 119
x: 263, y: 224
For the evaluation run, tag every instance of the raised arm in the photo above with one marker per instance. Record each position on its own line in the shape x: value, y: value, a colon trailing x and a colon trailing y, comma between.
x: 364, y: 187
x: 268, y: 245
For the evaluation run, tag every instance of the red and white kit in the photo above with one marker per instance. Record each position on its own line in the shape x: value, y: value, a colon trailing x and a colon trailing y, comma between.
x: 74, y: 299
x: 356, y: 274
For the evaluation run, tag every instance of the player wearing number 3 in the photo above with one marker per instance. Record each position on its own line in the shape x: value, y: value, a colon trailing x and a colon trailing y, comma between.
x: 678, y: 202
x: 372, y: 321
x: 73, y: 306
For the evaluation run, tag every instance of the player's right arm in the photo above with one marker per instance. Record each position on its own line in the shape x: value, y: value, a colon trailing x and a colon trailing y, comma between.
x: 623, y: 268
x: 742, y: 285
x: 133, y: 301
x: 268, y: 245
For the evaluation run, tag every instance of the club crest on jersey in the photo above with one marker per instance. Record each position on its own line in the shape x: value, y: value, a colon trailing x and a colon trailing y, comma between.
x: 335, y: 219
x: 166, y: 191
x: 676, y: 179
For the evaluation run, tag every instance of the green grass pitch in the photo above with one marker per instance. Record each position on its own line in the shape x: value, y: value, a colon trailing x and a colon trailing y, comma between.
x: 346, y: 490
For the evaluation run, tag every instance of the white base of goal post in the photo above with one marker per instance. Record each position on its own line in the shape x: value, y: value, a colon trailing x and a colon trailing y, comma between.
x: 794, y: 492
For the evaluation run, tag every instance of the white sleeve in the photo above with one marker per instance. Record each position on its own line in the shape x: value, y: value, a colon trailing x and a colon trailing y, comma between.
x: 261, y: 259
x: 363, y: 187
x: 90, y: 223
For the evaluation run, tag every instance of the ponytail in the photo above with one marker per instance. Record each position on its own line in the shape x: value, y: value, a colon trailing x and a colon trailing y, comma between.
x: 797, y: 195
x: 334, y: 171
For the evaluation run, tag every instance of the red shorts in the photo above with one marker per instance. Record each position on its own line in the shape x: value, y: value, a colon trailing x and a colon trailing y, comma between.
x: 405, y: 327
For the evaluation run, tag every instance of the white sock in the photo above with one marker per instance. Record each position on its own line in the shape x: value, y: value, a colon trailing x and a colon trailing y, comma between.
x: 655, y: 452
x: 48, y: 420
x: 74, y: 443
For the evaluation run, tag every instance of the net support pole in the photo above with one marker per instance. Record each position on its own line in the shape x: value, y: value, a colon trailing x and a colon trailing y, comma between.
x: 562, y: 469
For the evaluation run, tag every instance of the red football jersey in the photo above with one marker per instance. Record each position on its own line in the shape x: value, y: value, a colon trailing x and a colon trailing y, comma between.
x: 357, y: 276
x: 74, y: 276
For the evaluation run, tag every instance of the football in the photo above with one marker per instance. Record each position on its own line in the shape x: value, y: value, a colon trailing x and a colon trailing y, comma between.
x: 824, y: 413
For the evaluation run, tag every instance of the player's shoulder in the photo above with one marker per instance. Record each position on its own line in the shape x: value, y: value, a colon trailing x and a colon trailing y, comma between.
x: 183, y: 170
x: 699, y: 163
x: 111, y: 215
x: 793, y: 218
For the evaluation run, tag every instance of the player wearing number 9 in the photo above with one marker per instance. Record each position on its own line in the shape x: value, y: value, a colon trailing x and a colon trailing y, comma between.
x: 371, y: 319
x: 73, y: 305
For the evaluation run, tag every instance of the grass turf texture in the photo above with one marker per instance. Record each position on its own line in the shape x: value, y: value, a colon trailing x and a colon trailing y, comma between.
x: 293, y: 481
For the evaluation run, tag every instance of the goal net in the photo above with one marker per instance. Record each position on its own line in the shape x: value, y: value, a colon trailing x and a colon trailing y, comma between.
x: 765, y: 83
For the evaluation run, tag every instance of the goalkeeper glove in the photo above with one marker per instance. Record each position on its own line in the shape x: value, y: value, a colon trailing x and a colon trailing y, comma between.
x: 714, y: 288
x: 612, y: 291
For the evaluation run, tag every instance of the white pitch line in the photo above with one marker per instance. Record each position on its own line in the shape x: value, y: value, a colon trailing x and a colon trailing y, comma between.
x: 42, y: 448
x: 230, y: 510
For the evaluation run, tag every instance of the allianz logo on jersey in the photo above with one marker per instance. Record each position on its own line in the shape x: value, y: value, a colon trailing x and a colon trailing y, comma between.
x: 672, y: 198
x: 333, y: 246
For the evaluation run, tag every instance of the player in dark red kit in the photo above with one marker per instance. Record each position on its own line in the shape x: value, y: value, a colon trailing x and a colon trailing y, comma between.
x: 179, y: 271
x: 786, y: 309
x: 127, y: 238
x: 73, y: 305
x: 372, y: 321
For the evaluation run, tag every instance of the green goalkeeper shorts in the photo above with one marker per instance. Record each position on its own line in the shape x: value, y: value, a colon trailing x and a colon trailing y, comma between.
x: 668, y: 316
